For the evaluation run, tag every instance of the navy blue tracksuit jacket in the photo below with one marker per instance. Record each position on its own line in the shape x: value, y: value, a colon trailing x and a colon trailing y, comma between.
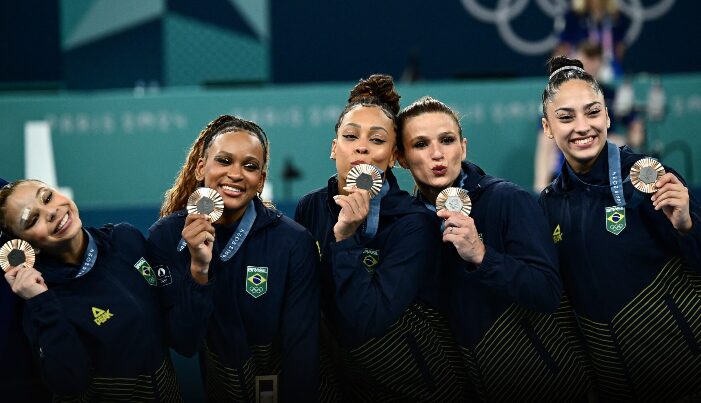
x: 393, y: 345
x: 100, y: 337
x: 637, y: 294
x: 19, y: 376
x: 518, y: 344
x: 240, y: 336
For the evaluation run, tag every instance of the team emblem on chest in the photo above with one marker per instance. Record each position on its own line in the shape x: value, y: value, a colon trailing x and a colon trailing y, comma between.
x: 256, y: 280
x: 370, y: 258
x: 615, y: 219
x: 146, y: 271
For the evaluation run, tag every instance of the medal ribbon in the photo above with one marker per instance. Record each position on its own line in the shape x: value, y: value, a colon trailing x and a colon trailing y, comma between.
x: 242, y: 231
x: 373, y: 219
x: 615, y: 179
x: 239, y: 235
x: 89, y: 257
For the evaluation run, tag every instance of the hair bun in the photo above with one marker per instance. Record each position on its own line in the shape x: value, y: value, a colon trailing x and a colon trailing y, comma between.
x: 379, y: 89
x: 557, y: 62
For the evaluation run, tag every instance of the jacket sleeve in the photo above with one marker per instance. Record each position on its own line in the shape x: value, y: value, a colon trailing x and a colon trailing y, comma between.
x: 688, y: 245
x: 299, y: 216
x: 371, y: 299
x: 523, y: 269
x: 187, y: 304
x: 64, y: 362
x: 300, y: 324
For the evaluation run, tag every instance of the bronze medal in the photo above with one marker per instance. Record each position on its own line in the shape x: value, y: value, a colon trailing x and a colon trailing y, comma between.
x: 644, y: 173
x: 454, y: 199
x: 15, y: 252
x: 206, y: 201
x: 365, y: 176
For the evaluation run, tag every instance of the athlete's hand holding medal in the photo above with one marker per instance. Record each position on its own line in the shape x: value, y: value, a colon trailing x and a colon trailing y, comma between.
x: 363, y: 183
x: 204, y: 206
x: 669, y: 193
x: 453, y: 204
x: 17, y: 261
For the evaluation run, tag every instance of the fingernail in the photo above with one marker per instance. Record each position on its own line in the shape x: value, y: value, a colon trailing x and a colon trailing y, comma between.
x: 336, y: 197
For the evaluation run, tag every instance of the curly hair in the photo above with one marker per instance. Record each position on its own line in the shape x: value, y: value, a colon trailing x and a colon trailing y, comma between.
x: 377, y: 90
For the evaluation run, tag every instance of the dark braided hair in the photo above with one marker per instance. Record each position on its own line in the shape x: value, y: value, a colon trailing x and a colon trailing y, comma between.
x: 186, y: 181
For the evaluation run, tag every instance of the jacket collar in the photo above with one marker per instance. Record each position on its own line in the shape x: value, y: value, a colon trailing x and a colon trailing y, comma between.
x: 56, y: 271
x: 598, y: 175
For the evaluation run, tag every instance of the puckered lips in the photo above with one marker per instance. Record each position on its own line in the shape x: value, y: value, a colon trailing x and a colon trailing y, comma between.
x: 439, y: 170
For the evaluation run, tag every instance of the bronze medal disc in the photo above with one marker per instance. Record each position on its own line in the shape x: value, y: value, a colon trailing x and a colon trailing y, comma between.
x: 454, y: 199
x: 644, y: 173
x: 206, y: 201
x: 365, y: 176
x: 15, y: 252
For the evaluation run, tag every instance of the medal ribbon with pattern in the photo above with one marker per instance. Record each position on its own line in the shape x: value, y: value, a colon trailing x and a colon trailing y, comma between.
x: 373, y: 219
x: 239, y: 235
x: 89, y: 257
x: 242, y: 231
x: 615, y: 179
x: 614, y: 216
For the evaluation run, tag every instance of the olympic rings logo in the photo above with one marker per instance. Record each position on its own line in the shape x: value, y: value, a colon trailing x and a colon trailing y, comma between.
x: 506, y: 10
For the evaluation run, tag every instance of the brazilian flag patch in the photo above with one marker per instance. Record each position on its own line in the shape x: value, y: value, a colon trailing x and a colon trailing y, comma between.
x: 256, y: 280
x: 370, y: 259
x: 615, y: 219
x: 146, y: 271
